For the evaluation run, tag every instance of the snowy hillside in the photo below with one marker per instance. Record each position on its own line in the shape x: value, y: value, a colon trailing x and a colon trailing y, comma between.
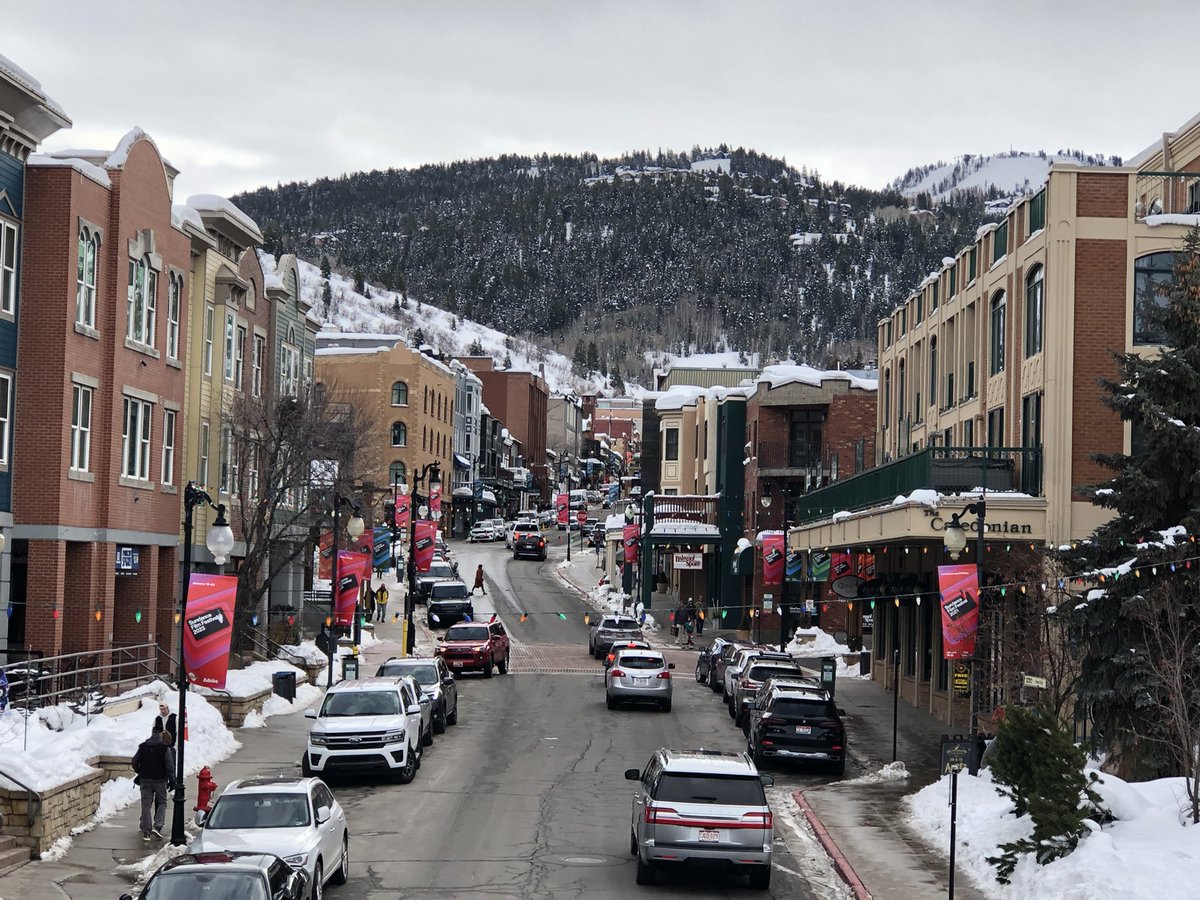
x: 1009, y: 173
x: 385, y: 313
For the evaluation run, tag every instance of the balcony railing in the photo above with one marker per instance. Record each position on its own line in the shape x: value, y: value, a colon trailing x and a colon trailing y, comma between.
x: 945, y: 469
x: 1165, y: 193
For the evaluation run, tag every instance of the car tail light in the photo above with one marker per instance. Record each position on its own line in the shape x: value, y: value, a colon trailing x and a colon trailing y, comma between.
x: 747, y: 684
x: 830, y: 725
x: 616, y: 673
x: 766, y: 819
x: 665, y: 674
x: 836, y: 747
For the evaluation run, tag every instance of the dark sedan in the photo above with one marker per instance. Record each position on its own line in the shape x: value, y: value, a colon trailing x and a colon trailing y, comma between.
x: 707, y: 658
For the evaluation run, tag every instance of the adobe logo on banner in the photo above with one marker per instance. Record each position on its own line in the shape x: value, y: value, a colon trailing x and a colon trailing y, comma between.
x: 435, y: 498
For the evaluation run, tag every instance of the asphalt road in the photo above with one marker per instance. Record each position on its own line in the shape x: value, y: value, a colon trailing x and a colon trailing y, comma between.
x: 525, y: 797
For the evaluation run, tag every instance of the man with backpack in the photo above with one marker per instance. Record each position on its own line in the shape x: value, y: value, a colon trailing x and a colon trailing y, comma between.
x: 154, y: 764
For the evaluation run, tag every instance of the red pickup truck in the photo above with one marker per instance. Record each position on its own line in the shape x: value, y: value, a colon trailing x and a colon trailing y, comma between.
x: 475, y: 647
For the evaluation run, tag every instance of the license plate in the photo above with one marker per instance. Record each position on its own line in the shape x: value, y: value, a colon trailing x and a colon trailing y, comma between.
x: 710, y: 836
x: 641, y: 680
x: 457, y: 664
x: 803, y: 729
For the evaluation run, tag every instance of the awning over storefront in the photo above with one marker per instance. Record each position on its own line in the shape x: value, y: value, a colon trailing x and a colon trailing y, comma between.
x: 461, y: 461
x: 463, y: 493
x: 488, y: 497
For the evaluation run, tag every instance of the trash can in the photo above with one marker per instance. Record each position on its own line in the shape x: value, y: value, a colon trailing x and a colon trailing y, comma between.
x: 283, y: 684
x: 864, y: 663
x: 349, y: 668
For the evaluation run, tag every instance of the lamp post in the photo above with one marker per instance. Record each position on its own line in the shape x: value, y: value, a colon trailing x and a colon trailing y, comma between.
x: 432, y: 473
x: 354, y: 528
x: 567, y: 490
x: 220, y: 544
x: 955, y: 540
x: 627, y: 570
x: 765, y: 500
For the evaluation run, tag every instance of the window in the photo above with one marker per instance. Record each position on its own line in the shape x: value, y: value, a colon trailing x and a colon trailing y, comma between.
x: 81, y: 427
x: 141, y: 302
x: 969, y: 433
x: 1037, y: 212
x: 168, y: 447
x: 933, y: 372
x: 999, y: 309
x: 252, y: 473
x: 920, y: 309
x: 948, y: 437
x: 5, y: 415
x: 804, y: 437
x: 952, y: 288
x: 887, y: 397
x: 903, y: 321
x: 901, y: 389
x: 1035, y: 299
x: 972, y: 258
x: 1151, y: 277
x: 397, y: 473
x: 229, y: 350
x: 229, y: 466
x: 256, y: 365
x: 1031, y: 438
x: 995, y: 427
x: 933, y: 295
x: 1000, y: 242
x: 174, y: 295
x: 400, y: 394
x: 288, y: 370
x: 202, y: 466
x: 8, y: 267
x: 135, y: 439
x: 399, y: 434
x: 887, y: 333
x: 209, y: 324
x: 239, y: 359
x: 671, y: 444
x: 85, y: 278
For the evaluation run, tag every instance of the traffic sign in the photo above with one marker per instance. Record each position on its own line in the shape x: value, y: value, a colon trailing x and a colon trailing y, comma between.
x: 1034, y: 681
x: 581, y: 516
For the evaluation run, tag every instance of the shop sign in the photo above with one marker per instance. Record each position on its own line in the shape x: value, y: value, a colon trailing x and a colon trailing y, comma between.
x: 127, y: 560
x: 961, y: 680
x: 690, y: 561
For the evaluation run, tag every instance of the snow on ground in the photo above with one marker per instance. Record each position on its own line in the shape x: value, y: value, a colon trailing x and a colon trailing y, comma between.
x: 253, y: 679
x: 809, y: 643
x: 1141, y: 856
x: 1013, y: 172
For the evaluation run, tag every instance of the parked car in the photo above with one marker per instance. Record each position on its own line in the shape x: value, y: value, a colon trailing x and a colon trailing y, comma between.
x: 594, y: 532
x: 593, y: 497
x: 747, y: 685
x: 738, y: 665
x: 435, y: 681
x: 706, y: 658
x: 642, y: 676
x: 498, y: 529
x: 530, y: 543
x: 716, y: 677
x: 482, y: 531
x: 800, y: 723
x: 691, y: 805
x: 609, y: 630
x: 370, y: 724
x: 439, y: 570
x: 449, y: 602
x: 475, y: 646
x: 297, y: 819
x: 518, y: 529
x: 624, y: 645
x: 245, y: 875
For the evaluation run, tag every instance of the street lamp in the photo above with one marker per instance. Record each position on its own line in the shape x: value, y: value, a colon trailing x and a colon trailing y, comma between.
x: 433, y: 473
x: 354, y: 527
x: 954, y: 537
x: 627, y: 571
x: 220, y: 544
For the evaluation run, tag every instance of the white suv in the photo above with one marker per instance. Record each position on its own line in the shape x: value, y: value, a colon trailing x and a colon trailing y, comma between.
x: 516, y: 529
x: 371, y: 723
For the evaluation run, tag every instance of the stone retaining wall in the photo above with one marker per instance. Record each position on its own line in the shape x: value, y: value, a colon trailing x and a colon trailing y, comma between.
x: 62, y: 808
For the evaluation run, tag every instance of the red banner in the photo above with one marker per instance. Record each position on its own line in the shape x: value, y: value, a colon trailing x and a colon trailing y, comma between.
x: 353, y: 569
x: 842, y: 564
x: 365, y: 542
x: 325, y: 555
x: 425, y: 532
x: 630, y: 537
x: 772, y: 546
x: 563, y: 504
x: 866, y: 566
x: 403, y: 511
x: 208, y: 612
x: 960, y: 610
x: 435, y: 498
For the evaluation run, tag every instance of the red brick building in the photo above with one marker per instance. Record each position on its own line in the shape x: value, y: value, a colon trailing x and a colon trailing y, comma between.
x: 519, y: 400
x: 98, y: 465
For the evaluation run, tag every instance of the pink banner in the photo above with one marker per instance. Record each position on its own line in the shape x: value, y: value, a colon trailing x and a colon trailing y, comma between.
x: 353, y: 569
x: 563, y: 504
x: 630, y: 537
x: 208, y: 612
x: 772, y: 548
x: 426, y: 533
x: 960, y: 610
x: 403, y: 511
x: 435, y: 498
x: 325, y: 555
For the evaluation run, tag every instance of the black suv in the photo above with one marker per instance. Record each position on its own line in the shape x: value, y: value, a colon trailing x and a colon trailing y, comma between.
x: 529, y: 543
x: 449, y: 602
x: 792, y: 722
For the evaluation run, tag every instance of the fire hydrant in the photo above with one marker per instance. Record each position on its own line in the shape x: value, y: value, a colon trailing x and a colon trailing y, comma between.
x: 204, y: 789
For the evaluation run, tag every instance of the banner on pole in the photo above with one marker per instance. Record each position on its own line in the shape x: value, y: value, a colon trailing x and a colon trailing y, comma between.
x: 818, y: 566
x: 208, y: 614
x: 425, y: 533
x: 562, y: 503
x: 960, y: 610
x: 629, y: 536
x: 435, y: 499
x: 794, y: 566
x: 382, y: 547
x: 772, y: 546
x: 353, y: 569
x: 403, y: 512
x: 325, y: 555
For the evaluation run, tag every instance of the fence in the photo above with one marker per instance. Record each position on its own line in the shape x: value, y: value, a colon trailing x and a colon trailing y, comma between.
x: 45, y: 680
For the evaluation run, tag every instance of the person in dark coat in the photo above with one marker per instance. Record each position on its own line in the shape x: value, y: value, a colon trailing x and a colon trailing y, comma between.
x: 479, y: 585
x: 166, y: 722
x: 154, y: 763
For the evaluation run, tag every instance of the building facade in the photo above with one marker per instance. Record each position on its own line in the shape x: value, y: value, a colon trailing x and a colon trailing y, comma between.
x: 468, y: 401
x: 519, y: 400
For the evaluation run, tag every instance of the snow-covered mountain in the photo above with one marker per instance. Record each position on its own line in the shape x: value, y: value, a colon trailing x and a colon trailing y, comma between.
x: 1002, y: 174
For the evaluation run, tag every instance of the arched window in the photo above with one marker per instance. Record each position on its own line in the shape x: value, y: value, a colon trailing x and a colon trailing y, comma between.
x: 85, y: 278
x: 901, y: 387
x: 399, y: 434
x: 887, y: 398
x: 1035, y: 310
x: 141, y: 305
x: 400, y: 394
x: 933, y: 372
x: 1151, y: 275
x: 999, y: 312
x: 397, y: 473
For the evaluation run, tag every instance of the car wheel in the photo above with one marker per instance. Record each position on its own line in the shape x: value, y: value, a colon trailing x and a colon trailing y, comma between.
x: 305, y: 769
x: 746, y: 726
x: 342, y: 875
x: 666, y: 706
x: 701, y: 679
x: 427, y: 737
x: 318, y: 887
x: 516, y: 556
x: 543, y: 556
x: 724, y: 694
x: 646, y: 873
x: 741, y: 720
x: 452, y: 717
x: 487, y: 667
x: 609, y: 701
x: 760, y: 877
x: 439, y: 721
x: 632, y: 843
x: 729, y: 706
x: 839, y: 767
x: 429, y: 622
x: 503, y: 666
x: 407, y: 772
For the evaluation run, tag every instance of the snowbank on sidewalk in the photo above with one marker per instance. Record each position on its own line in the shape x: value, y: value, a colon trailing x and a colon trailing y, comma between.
x: 254, y: 679
x: 1141, y: 856
x: 815, y: 642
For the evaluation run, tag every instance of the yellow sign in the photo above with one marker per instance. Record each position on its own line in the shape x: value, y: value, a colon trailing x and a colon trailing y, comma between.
x: 961, y: 680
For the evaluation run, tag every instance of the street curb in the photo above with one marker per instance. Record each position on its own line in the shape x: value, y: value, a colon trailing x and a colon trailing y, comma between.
x: 840, y: 863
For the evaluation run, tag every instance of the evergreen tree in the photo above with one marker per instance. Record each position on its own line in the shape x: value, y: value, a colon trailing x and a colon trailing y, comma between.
x: 360, y: 281
x: 593, y: 357
x: 396, y: 307
x: 327, y: 294
x: 507, y: 360
x: 326, y: 268
x: 476, y: 348
x: 418, y: 336
x: 579, y: 359
x: 454, y: 323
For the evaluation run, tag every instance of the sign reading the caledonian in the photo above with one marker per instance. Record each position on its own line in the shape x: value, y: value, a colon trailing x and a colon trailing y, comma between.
x: 937, y: 523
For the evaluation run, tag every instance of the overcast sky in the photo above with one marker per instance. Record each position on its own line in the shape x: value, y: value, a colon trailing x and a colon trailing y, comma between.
x: 240, y: 93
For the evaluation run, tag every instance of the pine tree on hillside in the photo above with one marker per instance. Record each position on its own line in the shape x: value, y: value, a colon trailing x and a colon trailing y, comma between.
x: 507, y: 360
x: 1154, y: 489
x: 326, y: 268
x: 476, y: 348
x: 360, y: 281
x: 579, y: 359
x: 326, y: 294
x: 454, y: 323
x: 417, y: 337
x: 593, y: 357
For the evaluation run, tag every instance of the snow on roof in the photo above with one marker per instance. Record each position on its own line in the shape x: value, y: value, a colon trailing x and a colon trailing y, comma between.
x: 678, y: 397
x: 27, y: 81
x: 768, y: 533
x: 1188, y: 219
x: 271, y: 279
x: 82, y: 166
x: 180, y: 213
x: 984, y: 230
x: 120, y: 155
x: 215, y: 203
x: 777, y: 376
x: 948, y: 260
x: 349, y: 351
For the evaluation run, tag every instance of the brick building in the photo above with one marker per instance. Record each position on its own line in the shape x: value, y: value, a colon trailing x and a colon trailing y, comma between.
x: 519, y: 400
x: 97, y: 472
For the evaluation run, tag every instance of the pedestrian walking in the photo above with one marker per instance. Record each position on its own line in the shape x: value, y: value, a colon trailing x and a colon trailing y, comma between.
x: 479, y: 585
x: 700, y: 618
x: 381, y: 600
x: 677, y: 618
x: 368, y: 602
x: 166, y: 721
x: 154, y: 765
x: 689, y: 621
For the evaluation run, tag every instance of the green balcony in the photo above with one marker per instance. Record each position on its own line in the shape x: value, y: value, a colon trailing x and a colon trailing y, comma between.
x: 949, y: 470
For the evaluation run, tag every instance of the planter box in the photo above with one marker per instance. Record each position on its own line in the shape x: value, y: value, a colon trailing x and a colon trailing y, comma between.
x: 61, y: 809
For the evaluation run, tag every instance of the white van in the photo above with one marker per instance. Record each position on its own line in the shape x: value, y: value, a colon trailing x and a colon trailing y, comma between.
x: 578, y: 499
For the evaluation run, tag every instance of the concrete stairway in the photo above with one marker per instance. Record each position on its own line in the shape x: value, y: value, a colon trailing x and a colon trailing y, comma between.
x: 11, y: 855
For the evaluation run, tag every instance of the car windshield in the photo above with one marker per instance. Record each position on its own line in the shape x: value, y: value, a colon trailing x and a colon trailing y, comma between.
x: 441, y: 570
x: 762, y: 673
x: 259, y: 811
x: 732, y: 790
x: 470, y: 633
x: 450, y: 591
x: 361, y: 703
x: 796, y: 706
x: 641, y: 662
x: 206, y: 886
x: 424, y: 673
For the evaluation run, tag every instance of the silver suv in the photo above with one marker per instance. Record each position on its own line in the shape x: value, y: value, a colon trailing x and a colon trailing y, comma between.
x: 701, y: 804
x: 609, y: 630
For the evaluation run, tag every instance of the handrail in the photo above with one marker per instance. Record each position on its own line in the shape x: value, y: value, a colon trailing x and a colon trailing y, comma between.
x: 32, y: 797
x: 48, y: 679
x: 272, y: 649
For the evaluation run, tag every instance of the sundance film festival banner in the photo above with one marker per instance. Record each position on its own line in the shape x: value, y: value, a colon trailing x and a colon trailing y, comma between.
x: 403, y: 512
x: 772, y: 546
x: 629, y: 536
x: 325, y: 555
x: 435, y: 498
x: 381, y: 547
x: 208, y: 613
x: 425, y: 533
x: 960, y: 610
x: 353, y: 569
x: 563, y: 504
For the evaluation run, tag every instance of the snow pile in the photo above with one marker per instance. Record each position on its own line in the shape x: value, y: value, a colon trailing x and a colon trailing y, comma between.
x: 254, y: 679
x: 1141, y: 856
x: 896, y: 771
x: 924, y: 496
x: 815, y: 642
x: 778, y: 376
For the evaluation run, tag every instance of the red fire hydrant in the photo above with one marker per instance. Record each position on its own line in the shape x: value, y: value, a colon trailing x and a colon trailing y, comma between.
x: 204, y: 789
